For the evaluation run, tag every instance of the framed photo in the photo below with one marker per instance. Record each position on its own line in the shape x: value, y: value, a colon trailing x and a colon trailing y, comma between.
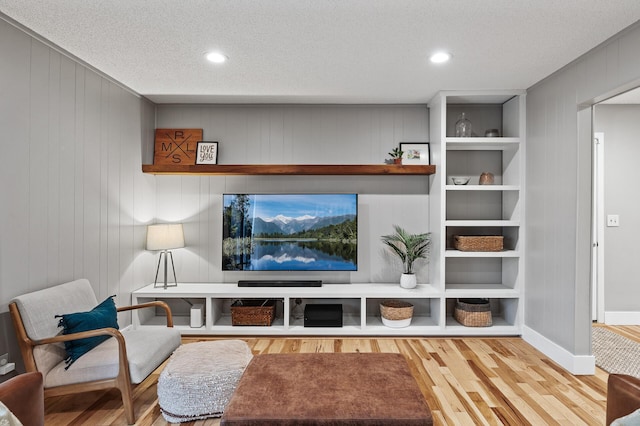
x: 207, y: 152
x: 415, y: 153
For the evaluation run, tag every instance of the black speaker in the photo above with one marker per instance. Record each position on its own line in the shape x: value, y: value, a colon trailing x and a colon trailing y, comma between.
x: 280, y: 283
x: 323, y: 315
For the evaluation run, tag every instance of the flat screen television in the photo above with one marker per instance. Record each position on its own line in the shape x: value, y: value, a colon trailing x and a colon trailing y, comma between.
x: 290, y: 232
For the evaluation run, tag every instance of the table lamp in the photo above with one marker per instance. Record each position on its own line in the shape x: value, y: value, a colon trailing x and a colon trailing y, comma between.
x: 165, y: 237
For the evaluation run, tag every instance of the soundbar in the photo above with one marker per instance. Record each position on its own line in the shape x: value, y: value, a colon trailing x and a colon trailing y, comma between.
x: 280, y: 283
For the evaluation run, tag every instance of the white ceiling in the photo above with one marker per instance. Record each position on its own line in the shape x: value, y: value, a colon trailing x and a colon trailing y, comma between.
x: 322, y: 51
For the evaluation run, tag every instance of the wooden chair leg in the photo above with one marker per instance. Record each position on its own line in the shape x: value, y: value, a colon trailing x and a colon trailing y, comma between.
x: 123, y: 381
x: 127, y: 402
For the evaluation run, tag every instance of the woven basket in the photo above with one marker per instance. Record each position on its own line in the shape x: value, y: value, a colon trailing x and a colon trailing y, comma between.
x: 478, y: 243
x: 253, y: 312
x: 473, y: 312
x: 396, y: 310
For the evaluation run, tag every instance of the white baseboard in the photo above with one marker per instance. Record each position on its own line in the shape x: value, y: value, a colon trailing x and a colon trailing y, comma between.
x: 621, y: 318
x: 575, y: 364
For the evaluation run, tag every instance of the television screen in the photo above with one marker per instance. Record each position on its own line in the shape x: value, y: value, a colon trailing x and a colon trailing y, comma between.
x: 290, y: 232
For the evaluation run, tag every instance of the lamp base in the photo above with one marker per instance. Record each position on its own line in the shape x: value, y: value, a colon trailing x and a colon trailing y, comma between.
x: 166, y: 254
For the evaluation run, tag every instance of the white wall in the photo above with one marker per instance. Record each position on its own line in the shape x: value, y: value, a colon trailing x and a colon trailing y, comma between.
x: 74, y: 201
x: 296, y: 134
x: 557, y: 303
x: 621, y: 153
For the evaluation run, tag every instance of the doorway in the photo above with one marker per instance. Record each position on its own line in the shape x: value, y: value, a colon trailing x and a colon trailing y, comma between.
x: 615, y: 227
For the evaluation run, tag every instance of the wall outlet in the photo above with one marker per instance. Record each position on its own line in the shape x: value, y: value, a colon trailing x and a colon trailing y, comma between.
x: 4, y: 359
x: 613, y: 220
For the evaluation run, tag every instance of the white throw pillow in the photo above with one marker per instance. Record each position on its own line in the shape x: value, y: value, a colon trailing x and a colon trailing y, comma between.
x: 7, y: 418
x: 632, y: 419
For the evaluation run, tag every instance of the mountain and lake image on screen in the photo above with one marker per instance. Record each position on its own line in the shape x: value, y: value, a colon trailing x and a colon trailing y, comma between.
x: 290, y: 232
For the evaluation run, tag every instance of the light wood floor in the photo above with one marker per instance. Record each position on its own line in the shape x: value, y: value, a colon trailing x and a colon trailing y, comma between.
x: 466, y: 381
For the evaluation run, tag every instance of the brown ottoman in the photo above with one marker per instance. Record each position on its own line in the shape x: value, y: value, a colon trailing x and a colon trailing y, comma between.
x: 327, y: 389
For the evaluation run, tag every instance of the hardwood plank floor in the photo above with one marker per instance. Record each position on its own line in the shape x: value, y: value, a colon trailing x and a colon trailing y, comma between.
x: 465, y: 381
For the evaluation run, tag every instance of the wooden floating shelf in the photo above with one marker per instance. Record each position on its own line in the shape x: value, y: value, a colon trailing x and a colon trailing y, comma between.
x: 290, y: 169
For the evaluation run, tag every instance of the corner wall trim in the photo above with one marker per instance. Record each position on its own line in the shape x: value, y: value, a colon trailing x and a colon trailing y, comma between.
x: 66, y: 53
x: 622, y: 318
x: 575, y: 364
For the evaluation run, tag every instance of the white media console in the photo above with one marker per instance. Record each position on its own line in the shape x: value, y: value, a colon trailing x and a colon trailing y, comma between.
x: 433, y: 310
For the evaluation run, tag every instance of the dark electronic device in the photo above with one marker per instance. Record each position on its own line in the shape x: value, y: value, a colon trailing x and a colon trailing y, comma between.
x: 323, y: 315
x: 280, y: 283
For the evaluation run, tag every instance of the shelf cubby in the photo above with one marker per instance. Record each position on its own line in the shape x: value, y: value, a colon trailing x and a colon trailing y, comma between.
x: 484, y: 112
x: 478, y: 273
x: 482, y: 205
x: 505, y: 317
x: 425, y: 311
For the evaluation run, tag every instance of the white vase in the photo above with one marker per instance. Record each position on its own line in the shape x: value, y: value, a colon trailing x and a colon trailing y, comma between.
x: 408, y: 281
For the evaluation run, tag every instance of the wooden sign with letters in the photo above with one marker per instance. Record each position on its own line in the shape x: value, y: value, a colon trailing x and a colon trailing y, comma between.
x: 176, y: 146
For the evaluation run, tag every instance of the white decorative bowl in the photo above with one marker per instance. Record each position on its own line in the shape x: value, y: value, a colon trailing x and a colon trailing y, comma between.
x: 460, y: 180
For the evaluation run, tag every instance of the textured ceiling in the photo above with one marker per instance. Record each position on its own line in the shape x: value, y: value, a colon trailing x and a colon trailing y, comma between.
x: 322, y: 51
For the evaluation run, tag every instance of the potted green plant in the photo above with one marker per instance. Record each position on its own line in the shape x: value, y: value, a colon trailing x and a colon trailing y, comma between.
x: 409, y: 248
x: 396, y: 155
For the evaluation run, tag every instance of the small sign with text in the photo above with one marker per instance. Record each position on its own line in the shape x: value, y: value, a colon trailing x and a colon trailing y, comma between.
x: 176, y: 146
x: 207, y: 153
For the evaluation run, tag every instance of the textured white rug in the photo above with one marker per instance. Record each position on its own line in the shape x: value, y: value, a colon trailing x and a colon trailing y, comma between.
x: 615, y: 353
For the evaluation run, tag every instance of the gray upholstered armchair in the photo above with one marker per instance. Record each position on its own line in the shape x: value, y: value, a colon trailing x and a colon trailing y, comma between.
x: 129, y: 357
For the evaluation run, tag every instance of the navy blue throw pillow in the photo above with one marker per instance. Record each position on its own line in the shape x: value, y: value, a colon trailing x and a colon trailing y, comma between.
x: 102, y: 316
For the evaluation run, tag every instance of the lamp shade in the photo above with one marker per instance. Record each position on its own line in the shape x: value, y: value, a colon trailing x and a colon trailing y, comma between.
x: 165, y: 236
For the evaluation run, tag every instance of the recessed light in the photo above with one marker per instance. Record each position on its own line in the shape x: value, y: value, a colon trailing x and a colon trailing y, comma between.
x: 216, y: 57
x: 440, y: 57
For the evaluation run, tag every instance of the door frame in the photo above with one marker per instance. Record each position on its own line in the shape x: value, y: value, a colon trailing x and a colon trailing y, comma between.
x: 598, y: 224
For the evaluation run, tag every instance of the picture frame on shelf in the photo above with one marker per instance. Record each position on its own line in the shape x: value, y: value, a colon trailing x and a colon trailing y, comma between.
x: 415, y: 152
x: 207, y: 152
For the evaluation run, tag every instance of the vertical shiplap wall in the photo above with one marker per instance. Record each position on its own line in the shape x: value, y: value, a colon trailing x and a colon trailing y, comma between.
x: 74, y: 202
x: 296, y: 134
x: 557, y: 304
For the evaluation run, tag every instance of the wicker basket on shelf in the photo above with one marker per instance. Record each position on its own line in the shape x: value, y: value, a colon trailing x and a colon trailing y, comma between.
x: 253, y: 312
x: 396, y: 313
x: 478, y: 243
x: 473, y: 312
x: 396, y: 309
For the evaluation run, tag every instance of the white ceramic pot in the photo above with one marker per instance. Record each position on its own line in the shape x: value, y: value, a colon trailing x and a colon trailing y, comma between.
x: 408, y: 281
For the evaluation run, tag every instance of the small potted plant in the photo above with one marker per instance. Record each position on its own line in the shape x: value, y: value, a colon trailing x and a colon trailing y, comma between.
x: 396, y: 155
x: 409, y: 248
